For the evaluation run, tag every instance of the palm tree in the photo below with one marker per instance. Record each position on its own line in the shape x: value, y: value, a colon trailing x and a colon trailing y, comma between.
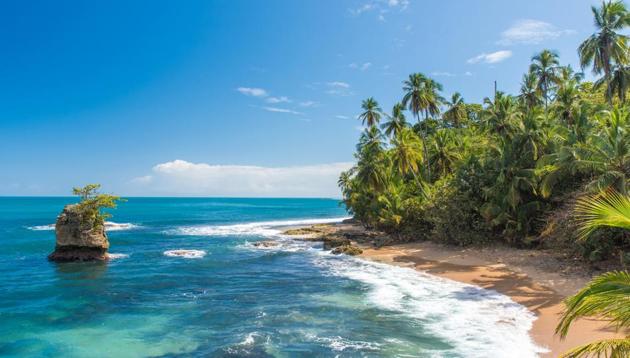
x: 442, y: 154
x: 567, y: 98
x: 618, y: 84
x: 545, y: 67
x: 530, y: 93
x: 500, y: 115
x: 607, y: 46
x: 606, y: 296
x: 456, y: 112
x: 371, y: 160
x: 396, y: 122
x: 407, y: 152
x: 417, y: 101
x: 371, y: 112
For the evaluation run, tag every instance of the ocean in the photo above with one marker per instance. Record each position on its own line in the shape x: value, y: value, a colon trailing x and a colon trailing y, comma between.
x: 229, y: 298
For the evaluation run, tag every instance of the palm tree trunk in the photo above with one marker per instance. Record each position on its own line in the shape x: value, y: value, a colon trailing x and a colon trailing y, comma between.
x: 425, y: 157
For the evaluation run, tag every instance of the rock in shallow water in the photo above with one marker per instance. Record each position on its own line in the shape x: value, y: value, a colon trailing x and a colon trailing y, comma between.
x: 78, y: 238
x: 347, y: 250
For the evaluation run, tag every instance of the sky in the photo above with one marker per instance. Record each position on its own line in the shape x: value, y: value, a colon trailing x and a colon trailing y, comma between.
x: 239, y: 98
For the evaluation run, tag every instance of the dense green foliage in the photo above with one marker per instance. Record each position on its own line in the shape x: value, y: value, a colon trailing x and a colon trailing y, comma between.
x: 92, y: 202
x: 466, y: 173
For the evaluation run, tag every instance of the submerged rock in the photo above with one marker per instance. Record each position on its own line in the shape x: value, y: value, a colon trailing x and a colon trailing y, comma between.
x: 347, y: 250
x: 78, y: 238
x: 266, y: 243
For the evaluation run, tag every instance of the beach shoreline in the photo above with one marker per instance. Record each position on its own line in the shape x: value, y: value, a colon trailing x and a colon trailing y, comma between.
x: 536, y: 279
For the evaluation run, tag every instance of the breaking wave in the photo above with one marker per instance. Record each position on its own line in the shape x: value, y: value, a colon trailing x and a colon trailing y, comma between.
x: 263, y: 228
x: 109, y: 226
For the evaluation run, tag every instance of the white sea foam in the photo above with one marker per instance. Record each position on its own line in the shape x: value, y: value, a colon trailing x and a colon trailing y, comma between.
x: 187, y: 254
x: 339, y: 343
x: 477, y: 322
x: 116, y: 256
x: 263, y: 228
x: 109, y: 226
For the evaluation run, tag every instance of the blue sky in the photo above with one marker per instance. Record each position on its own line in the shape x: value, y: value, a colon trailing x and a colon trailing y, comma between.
x: 238, y: 98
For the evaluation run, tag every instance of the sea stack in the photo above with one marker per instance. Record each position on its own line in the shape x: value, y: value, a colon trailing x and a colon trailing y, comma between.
x: 79, y: 238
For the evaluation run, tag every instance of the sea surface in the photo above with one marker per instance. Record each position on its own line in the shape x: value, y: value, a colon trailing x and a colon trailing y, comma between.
x: 229, y: 298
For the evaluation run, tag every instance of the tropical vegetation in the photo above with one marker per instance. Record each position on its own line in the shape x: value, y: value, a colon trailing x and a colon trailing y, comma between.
x: 91, y: 203
x: 509, y: 167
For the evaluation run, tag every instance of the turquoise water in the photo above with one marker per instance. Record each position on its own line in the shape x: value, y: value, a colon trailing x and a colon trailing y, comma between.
x: 232, y: 299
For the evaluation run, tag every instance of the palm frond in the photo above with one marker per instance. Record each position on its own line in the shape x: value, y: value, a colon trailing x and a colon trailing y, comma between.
x: 607, y: 209
x: 606, y: 296
x: 609, y: 348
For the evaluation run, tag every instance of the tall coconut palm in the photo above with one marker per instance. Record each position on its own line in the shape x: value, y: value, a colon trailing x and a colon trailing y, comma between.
x: 456, y: 113
x: 530, y: 93
x: 545, y: 66
x: 415, y: 99
x: 407, y: 152
x: 606, y: 46
x: 371, y: 112
x: 607, y: 296
x: 396, y: 122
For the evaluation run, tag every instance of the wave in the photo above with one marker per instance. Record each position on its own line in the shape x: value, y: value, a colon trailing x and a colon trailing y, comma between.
x: 262, y: 228
x: 477, y: 322
x: 187, y: 254
x: 109, y: 226
x: 116, y: 256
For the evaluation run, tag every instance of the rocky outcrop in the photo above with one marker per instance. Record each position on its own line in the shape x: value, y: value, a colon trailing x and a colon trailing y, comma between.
x: 332, y: 241
x: 78, y: 238
x: 347, y: 250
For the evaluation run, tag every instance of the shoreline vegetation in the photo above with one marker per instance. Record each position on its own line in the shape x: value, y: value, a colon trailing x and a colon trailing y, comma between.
x: 538, y: 279
x: 546, y: 170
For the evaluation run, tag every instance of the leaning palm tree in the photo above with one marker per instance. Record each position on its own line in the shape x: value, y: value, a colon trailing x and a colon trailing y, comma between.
x: 606, y: 296
x: 545, y: 67
x: 396, y: 122
x: 371, y: 112
x: 607, y: 46
x: 456, y: 112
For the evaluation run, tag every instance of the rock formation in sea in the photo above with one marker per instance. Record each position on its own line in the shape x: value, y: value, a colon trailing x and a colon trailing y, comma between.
x: 79, y: 238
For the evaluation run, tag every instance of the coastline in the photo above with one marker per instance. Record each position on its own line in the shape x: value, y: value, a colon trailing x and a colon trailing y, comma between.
x: 535, y: 279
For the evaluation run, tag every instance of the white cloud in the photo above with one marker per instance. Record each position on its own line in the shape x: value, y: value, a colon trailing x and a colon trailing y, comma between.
x: 249, y: 91
x: 468, y: 73
x: 180, y: 177
x: 338, y: 88
x: 529, y: 31
x: 281, y: 99
x: 281, y: 110
x: 363, y: 8
x: 395, y: 3
x: 361, y: 67
x: 382, y: 5
x: 308, y: 103
x: 494, y: 57
x: 442, y: 74
x: 340, y: 116
x: 338, y: 84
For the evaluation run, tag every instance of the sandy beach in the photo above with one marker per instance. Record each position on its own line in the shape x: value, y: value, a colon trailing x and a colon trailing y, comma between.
x: 536, y: 279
